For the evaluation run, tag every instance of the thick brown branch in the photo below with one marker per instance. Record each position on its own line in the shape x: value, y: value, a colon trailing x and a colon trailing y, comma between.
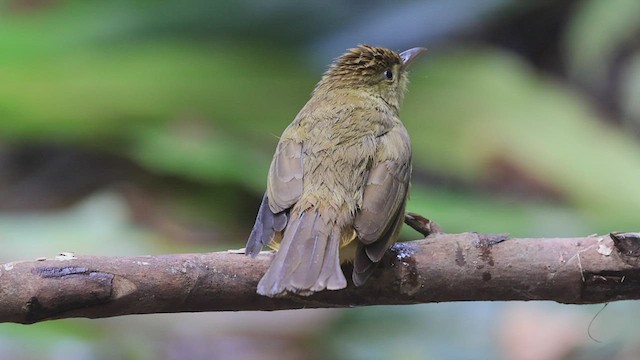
x: 443, y: 267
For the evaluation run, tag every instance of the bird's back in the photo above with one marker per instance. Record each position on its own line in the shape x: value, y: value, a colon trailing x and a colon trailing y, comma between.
x: 339, y: 148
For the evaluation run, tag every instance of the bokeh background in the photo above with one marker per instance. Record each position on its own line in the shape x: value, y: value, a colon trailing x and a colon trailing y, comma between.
x: 147, y: 127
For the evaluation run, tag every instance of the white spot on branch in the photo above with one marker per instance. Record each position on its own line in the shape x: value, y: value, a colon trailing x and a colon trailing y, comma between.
x: 605, y: 250
x: 64, y: 256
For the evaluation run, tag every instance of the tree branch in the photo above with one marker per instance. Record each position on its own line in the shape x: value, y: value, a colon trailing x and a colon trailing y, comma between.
x: 442, y: 267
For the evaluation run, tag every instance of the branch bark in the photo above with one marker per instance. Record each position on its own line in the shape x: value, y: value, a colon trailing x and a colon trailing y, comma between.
x: 442, y: 267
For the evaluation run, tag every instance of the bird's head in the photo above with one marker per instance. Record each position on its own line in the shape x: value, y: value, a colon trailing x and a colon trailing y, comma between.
x: 375, y: 70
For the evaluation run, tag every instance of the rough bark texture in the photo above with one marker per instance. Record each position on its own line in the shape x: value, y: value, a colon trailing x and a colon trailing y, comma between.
x: 442, y: 267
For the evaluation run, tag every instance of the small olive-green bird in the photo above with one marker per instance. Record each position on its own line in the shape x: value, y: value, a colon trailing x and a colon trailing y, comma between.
x: 339, y: 180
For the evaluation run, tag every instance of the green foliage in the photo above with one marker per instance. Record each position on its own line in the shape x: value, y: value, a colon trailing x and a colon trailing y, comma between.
x: 596, y: 34
x: 536, y: 125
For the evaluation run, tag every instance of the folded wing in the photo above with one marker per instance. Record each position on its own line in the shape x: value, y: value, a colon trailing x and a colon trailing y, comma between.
x: 382, y: 213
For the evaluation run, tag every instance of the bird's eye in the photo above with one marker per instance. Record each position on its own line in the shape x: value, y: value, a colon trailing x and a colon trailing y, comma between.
x: 388, y: 74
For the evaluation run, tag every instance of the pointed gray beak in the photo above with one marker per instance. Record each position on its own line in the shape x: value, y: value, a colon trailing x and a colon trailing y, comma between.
x: 408, y: 56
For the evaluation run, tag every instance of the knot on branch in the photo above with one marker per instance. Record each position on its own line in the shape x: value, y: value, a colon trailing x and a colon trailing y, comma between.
x: 627, y: 243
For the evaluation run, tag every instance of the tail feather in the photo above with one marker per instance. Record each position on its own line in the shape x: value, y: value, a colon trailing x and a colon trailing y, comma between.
x: 267, y: 224
x: 307, y: 260
x: 331, y: 276
x: 271, y: 283
x: 309, y: 253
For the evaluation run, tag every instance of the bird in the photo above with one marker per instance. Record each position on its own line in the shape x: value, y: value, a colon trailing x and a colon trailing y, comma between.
x: 339, y: 179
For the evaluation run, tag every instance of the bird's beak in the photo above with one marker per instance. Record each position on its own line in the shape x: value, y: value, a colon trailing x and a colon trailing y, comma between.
x: 408, y: 56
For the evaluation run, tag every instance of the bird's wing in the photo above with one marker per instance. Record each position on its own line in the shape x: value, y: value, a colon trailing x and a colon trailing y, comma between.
x: 266, y: 225
x: 379, y: 219
x: 284, y: 184
x: 284, y: 188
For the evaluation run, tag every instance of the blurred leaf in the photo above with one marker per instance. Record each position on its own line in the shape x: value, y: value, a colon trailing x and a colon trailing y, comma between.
x: 630, y: 93
x: 595, y: 33
x: 465, y: 211
x: 201, y: 153
x: 15, y: 339
x: 99, y: 225
x: 133, y: 95
x: 124, y: 21
x: 400, y: 332
x: 103, y: 92
x: 468, y: 109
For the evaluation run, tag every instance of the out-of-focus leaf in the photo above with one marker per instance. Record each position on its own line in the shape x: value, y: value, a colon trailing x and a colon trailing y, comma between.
x: 134, y: 95
x: 68, y: 85
x: 394, y: 332
x: 466, y: 211
x: 598, y: 28
x: 468, y: 109
x: 98, y: 93
x: 52, y: 337
x: 99, y: 225
x: 125, y: 21
x: 202, y: 153
x: 630, y: 92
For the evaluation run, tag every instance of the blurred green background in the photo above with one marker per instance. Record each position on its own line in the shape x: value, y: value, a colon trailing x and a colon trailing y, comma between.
x: 147, y: 127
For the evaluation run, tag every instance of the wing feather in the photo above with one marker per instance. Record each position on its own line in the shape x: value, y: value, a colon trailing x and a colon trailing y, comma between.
x: 284, y: 188
x: 284, y: 183
x: 387, y: 186
x: 381, y: 216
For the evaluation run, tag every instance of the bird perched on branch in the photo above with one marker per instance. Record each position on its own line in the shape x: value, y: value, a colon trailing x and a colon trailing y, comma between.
x: 339, y: 179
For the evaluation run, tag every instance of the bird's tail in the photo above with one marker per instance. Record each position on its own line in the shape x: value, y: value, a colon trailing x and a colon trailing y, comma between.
x: 308, y: 258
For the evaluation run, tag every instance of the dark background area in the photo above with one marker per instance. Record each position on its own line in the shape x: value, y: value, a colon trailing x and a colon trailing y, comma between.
x: 136, y: 127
